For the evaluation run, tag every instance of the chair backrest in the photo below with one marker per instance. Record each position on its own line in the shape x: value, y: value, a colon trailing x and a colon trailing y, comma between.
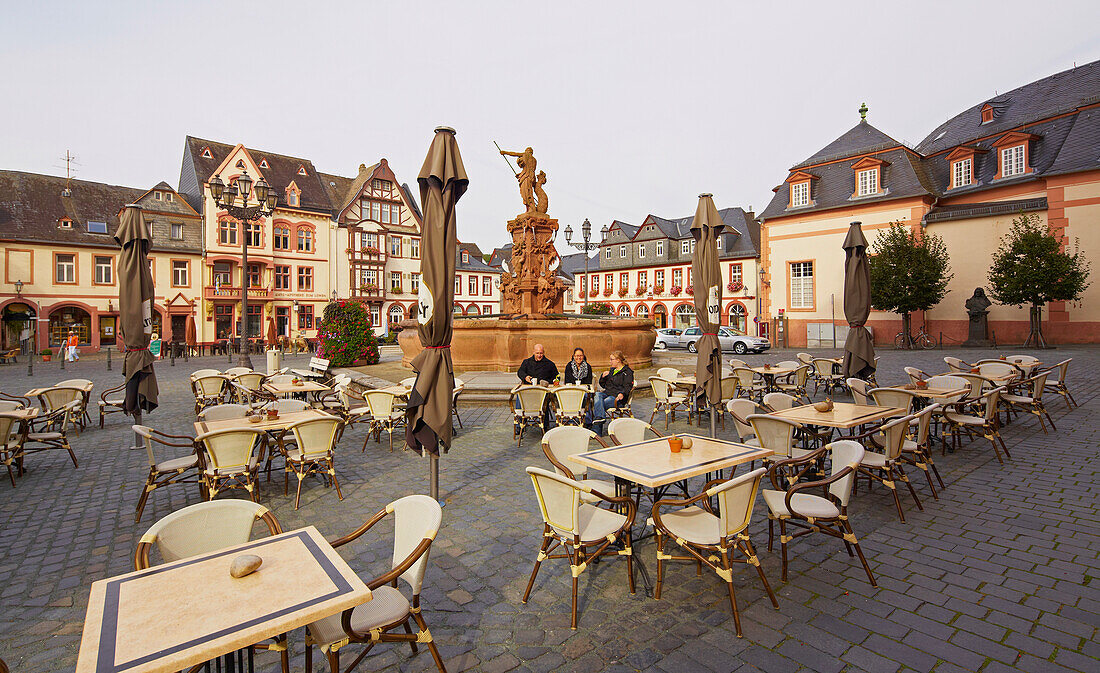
x: 924, y: 422
x: 734, y: 363
x: 805, y: 358
x: 316, y: 437
x: 249, y: 380
x: 779, y: 401
x: 915, y: 374
x: 530, y: 399
x: 74, y: 383
x: 956, y: 365
x: 570, y: 399
x: 1022, y: 359
x: 949, y: 382
x: 287, y: 406
x: 859, y: 389
x: 844, y: 453
x: 894, y: 435
x: 567, y: 440
x: 319, y: 365
x: 1037, y: 383
x: 997, y: 369
x: 736, y: 498
x: 198, y: 373
x: 8, y: 424
x: 661, y: 388
x: 741, y: 408
x: 380, y: 403
x: 224, y: 412
x: 459, y: 384
x: 801, y: 375
x: 231, y: 449
x: 745, y: 376
x: 415, y: 518
x: 1063, y: 369
x: 237, y: 371
x: 774, y: 433
x: 729, y: 387
x: 59, y: 396
x: 893, y: 397
x: 788, y: 363
x: 989, y: 404
x: 210, y: 385
x: 204, y: 527
x: 823, y: 367
x: 669, y: 373
x: 628, y: 430
x: 559, y: 499
x: 10, y: 405
x: 278, y: 379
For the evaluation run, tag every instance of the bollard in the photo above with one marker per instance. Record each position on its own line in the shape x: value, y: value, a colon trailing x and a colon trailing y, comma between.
x: 186, y: 352
x: 228, y: 352
x: 172, y: 354
x: 108, y: 358
x: 63, y: 357
x: 30, y: 363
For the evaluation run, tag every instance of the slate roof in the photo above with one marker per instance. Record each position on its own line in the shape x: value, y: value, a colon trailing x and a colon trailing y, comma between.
x: 499, y: 255
x: 1041, y: 99
x: 628, y: 229
x: 476, y: 263
x: 860, y: 139
x: 1080, y: 150
x: 31, y: 206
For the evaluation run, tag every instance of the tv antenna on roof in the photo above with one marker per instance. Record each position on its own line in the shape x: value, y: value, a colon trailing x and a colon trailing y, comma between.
x: 70, y: 160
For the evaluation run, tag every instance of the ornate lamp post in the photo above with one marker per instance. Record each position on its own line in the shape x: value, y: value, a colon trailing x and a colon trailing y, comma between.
x: 226, y: 197
x: 585, y: 246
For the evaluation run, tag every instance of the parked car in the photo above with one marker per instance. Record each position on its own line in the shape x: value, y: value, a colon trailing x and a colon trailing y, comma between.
x: 667, y: 337
x: 729, y: 340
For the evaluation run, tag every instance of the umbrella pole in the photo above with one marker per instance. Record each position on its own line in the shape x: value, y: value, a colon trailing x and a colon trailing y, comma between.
x: 713, y: 425
x: 137, y: 437
x: 433, y: 479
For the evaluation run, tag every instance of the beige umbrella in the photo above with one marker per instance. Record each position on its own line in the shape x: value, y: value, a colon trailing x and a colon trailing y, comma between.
x: 706, y: 278
x: 270, y: 337
x: 442, y: 182
x: 190, y: 336
x: 135, y: 311
x: 859, y: 347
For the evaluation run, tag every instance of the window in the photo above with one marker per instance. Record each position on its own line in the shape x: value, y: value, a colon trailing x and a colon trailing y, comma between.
x: 370, y: 241
x: 800, y: 194
x: 643, y: 279
x: 255, y: 234
x: 685, y: 315
x: 176, y: 231
x: 471, y: 284
x: 381, y: 185
x: 395, y: 281
x: 622, y: 252
x: 156, y: 195
x: 962, y: 173
x: 641, y: 251
x: 227, y: 232
x: 738, y: 318
x: 305, y: 239
x: 385, y: 213
x: 802, y: 285
x: 168, y: 197
x: 375, y: 209
x: 206, y: 153
x: 414, y: 283
x: 396, y: 314
x: 660, y: 248
x: 458, y: 283
x: 486, y: 285
x: 103, y: 270
x: 414, y: 248
x: 678, y: 277
x: 65, y: 268
x: 179, y: 273
x: 223, y: 274
x: 305, y: 316
x: 624, y: 280
x: 736, y: 274
x: 282, y: 277
x: 302, y: 171
x: 395, y: 246
x: 685, y: 247
x: 255, y: 275
x: 395, y: 213
x: 595, y: 284
x: 719, y: 242
x: 1012, y: 161
x: 97, y: 227
x: 624, y: 311
x: 487, y: 309
x: 65, y: 223
x: 868, y: 182
x: 643, y: 311
x: 659, y: 277
x: 606, y: 252
x: 280, y: 238
x: 465, y: 256
x: 305, y: 278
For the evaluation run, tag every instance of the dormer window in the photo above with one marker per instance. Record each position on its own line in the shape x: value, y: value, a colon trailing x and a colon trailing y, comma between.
x: 292, y: 199
x: 65, y: 223
x: 719, y: 242
x: 868, y: 177
x: 800, y: 194
x: 962, y: 173
x: 206, y: 153
x: 263, y: 163
x: 301, y: 170
x: 1012, y: 161
x: 987, y: 113
x: 156, y: 195
x: 465, y: 256
x: 168, y: 197
x: 293, y: 195
x: 1012, y: 151
x: 240, y: 164
x: 868, y: 182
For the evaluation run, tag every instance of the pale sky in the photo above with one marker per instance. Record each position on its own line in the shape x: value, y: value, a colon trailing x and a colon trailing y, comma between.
x: 632, y: 108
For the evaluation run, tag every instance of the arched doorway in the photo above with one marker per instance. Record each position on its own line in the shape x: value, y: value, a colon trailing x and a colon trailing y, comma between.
x: 457, y: 309
x: 660, y: 316
x: 738, y: 317
x: 67, y: 318
x: 396, y: 314
x: 18, y: 327
x: 473, y: 310
x: 685, y: 315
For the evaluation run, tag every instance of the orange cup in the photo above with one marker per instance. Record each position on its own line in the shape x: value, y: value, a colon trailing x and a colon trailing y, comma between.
x: 675, y: 444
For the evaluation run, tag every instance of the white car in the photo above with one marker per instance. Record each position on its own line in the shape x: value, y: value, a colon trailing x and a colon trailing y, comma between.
x: 667, y: 337
x: 728, y: 339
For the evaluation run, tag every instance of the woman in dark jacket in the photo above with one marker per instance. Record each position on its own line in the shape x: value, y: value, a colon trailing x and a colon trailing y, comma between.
x: 578, y: 371
x: 617, y: 384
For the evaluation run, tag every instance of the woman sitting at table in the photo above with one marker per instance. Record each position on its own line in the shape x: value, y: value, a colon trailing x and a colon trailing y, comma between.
x: 617, y: 384
x: 578, y: 371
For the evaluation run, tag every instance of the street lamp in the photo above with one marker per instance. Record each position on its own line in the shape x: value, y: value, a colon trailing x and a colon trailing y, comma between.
x: 226, y: 198
x: 585, y: 246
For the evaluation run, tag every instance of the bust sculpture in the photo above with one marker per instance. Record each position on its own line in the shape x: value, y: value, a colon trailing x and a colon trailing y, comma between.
x: 977, y: 308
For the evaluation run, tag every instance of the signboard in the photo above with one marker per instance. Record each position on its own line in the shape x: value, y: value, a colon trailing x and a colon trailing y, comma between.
x: 154, y: 348
x: 714, y: 307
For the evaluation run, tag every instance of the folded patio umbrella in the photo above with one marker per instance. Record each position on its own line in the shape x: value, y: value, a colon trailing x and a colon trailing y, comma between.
x: 189, y: 332
x: 270, y: 331
x: 442, y: 181
x: 859, y: 347
x: 135, y: 310
x: 706, y: 278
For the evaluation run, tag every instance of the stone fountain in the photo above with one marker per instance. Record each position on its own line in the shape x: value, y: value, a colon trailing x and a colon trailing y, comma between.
x: 532, y: 296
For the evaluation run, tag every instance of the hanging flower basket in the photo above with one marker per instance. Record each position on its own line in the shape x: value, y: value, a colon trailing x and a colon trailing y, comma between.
x: 371, y: 250
x: 640, y: 291
x: 658, y: 289
x: 735, y: 286
x: 689, y: 290
x: 622, y: 291
x: 607, y: 292
x: 675, y: 290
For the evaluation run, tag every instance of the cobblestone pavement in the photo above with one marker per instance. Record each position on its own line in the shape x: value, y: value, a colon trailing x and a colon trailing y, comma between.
x: 998, y: 574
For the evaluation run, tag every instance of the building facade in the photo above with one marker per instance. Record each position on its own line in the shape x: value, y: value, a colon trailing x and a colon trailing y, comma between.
x: 477, y: 285
x: 61, y: 260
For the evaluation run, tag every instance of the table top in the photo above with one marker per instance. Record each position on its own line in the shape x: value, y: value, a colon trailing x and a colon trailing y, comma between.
x: 935, y: 393
x: 24, y: 414
x: 844, y: 415
x: 173, y: 616
x: 652, y: 464
x: 284, y: 421
x: 398, y: 390
x: 685, y: 380
x: 35, y: 392
x: 286, y: 388
x: 774, y: 370
x: 551, y: 388
x: 1002, y: 378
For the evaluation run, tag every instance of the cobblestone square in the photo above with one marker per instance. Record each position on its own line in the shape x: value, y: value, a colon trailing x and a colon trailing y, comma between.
x: 997, y: 574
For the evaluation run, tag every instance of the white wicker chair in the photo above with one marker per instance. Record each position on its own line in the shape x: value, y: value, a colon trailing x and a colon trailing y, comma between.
x: 668, y: 398
x: 313, y: 452
x: 232, y: 460
x: 175, y: 470
x: 568, y: 440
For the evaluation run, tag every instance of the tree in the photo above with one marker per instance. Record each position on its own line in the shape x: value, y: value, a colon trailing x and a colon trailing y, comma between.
x: 1030, y: 267
x: 908, y: 273
x: 346, y: 335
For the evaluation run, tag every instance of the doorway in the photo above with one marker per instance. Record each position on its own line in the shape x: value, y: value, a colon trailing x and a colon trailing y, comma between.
x: 179, y: 328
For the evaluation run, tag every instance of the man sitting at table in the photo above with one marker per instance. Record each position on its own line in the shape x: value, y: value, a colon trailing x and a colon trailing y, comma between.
x: 537, y: 368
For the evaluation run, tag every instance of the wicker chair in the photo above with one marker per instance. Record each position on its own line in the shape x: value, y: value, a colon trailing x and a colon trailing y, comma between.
x: 795, y: 383
x: 13, y: 435
x: 986, y: 425
x: 622, y: 408
x: 779, y: 401
x: 416, y: 521
x: 165, y: 472
x: 287, y: 406
x: 669, y: 373
x: 999, y: 368
x: 630, y: 430
x: 247, y: 387
x: 224, y: 412
x: 915, y: 374
x: 886, y: 467
x: 1058, y: 385
x: 778, y: 435
x: 50, y: 433
x: 750, y: 385
x: 894, y: 397
x: 859, y: 389
x: 209, y: 389
x: 313, y: 452
x: 232, y: 460
x: 60, y: 396
x: 740, y: 409
x: 917, y: 451
x: 957, y: 365
x: 805, y: 358
x: 571, y: 402
x: 583, y: 532
x: 204, y: 528
x: 814, y: 513
x: 527, y: 405
x: 382, y: 415
x: 568, y: 440
x: 460, y: 386
x: 712, y: 539
x: 110, y: 402
x: 86, y: 389
x: 825, y: 376
x: 1032, y: 401
x: 668, y: 398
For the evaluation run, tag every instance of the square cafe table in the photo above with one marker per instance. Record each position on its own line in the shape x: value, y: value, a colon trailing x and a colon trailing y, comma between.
x: 173, y: 616
x: 935, y: 393
x: 844, y: 415
x: 651, y: 464
x: 284, y: 421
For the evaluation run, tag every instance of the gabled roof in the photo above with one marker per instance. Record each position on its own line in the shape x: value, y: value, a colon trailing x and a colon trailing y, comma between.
x: 860, y: 139
x: 476, y: 263
x: 628, y: 229
x: 500, y: 255
x: 1041, y: 99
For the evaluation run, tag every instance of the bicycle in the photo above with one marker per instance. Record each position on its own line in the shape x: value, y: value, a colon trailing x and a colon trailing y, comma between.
x: 922, y: 340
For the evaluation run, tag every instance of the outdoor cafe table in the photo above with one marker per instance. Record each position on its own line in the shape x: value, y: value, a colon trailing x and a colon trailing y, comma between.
x: 290, y: 388
x: 935, y: 393
x: 843, y: 415
x: 24, y: 414
x: 284, y: 421
x: 771, y: 372
x: 172, y: 616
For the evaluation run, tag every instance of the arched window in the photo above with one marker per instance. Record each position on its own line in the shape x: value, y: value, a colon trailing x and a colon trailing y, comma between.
x: 624, y: 311
x: 396, y: 314
x: 473, y: 310
x: 71, y: 318
x: 685, y: 315
x: 457, y: 309
x: 643, y: 311
x: 738, y: 317
x: 660, y: 316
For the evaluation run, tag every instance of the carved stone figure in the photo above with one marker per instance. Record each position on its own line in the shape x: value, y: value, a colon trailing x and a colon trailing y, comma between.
x: 526, y: 176
x: 977, y: 308
x: 543, y: 204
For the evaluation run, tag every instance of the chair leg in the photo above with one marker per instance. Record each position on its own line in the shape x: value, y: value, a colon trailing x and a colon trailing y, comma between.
x: 332, y: 473
x: 412, y: 643
x: 733, y: 596
x: 538, y: 562
x: 574, y: 560
x: 68, y: 448
x: 905, y: 478
x: 423, y: 626
x: 630, y: 562
x: 660, y: 565
x: 894, y: 491
x: 851, y: 536
x: 783, y: 545
x: 309, y: 655
x: 298, y: 495
x: 333, y: 657
x: 141, y: 501
x: 760, y: 571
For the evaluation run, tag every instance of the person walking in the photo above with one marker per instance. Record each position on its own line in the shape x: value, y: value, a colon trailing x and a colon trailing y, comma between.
x: 73, y: 341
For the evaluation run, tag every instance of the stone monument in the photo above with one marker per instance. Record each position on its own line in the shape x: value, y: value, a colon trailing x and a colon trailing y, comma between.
x: 977, y: 307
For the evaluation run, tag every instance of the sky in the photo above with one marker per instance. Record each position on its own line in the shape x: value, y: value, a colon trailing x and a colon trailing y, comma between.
x: 632, y: 108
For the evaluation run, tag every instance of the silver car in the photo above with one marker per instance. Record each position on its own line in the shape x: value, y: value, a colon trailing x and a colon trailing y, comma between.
x: 729, y: 340
x: 667, y: 337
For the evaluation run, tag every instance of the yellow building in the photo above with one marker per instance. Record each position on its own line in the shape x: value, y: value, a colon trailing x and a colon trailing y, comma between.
x: 60, y: 260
